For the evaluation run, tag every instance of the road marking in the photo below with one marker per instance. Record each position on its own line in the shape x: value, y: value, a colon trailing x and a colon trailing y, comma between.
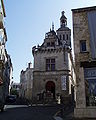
x: 14, y: 106
x: 57, y: 118
x: 57, y: 113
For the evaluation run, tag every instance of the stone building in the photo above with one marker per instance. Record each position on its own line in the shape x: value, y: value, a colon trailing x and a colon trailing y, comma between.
x: 84, y: 34
x: 23, y: 84
x: 5, y: 59
x: 26, y: 82
x: 15, y: 89
x: 53, y: 64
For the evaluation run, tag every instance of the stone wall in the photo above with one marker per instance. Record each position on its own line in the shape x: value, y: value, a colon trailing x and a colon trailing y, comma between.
x: 81, y: 32
x: 40, y: 59
x: 41, y: 78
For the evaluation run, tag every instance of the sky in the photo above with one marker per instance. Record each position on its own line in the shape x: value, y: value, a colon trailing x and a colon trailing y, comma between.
x: 26, y: 23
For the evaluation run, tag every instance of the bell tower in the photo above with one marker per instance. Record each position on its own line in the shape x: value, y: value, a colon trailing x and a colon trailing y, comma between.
x: 64, y: 33
x: 63, y: 20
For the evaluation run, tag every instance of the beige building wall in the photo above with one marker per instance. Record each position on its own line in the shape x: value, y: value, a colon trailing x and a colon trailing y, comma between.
x: 58, y: 54
x: 81, y: 32
x: 41, y: 78
x: 57, y: 46
x: 26, y: 81
x: 64, y: 67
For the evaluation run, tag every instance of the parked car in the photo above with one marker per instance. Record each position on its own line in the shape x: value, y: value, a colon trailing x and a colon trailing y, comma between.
x: 10, y: 98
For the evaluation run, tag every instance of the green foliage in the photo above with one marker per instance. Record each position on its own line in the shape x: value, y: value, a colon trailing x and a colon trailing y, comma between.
x: 14, y: 92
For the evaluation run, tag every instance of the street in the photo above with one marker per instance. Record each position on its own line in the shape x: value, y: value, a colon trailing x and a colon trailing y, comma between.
x: 24, y: 112
x: 18, y: 112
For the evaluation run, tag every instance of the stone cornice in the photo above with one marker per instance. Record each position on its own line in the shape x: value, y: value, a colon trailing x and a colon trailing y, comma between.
x: 52, y: 71
x: 84, y: 9
x: 52, y: 49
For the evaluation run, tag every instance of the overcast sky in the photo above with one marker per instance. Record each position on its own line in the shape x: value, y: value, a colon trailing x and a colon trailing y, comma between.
x: 26, y: 23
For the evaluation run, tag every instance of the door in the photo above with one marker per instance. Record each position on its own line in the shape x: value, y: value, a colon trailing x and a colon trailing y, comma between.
x: 50, y: 87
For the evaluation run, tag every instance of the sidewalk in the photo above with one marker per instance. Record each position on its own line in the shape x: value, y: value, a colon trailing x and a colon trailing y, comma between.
x: 67, y: 113
x: 71, y: 117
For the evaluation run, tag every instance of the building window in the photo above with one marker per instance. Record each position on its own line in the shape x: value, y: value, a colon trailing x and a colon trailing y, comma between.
x: 48, y: 44
x: 83, y: 46
x: 50, y: 64
x: 60, y: 37
x: 67, y: 36
x: 70, y: 44
x: 90, y: 86
x: 63, y: 37
x: 52, y: 44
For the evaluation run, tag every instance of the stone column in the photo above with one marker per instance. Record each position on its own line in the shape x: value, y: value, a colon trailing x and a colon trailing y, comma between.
x: 81, y: 97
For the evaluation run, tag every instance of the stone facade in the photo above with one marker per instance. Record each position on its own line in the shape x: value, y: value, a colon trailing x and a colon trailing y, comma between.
x: 26, y: 82
x: 6, y: 67
x: 15, y: 89
x: 53, y: 63
x: 83, y: 61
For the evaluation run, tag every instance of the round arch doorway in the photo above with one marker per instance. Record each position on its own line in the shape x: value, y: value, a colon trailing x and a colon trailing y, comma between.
x: 50, y: 86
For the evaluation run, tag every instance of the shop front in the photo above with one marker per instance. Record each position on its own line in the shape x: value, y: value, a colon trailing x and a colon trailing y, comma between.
x: 90, y: 86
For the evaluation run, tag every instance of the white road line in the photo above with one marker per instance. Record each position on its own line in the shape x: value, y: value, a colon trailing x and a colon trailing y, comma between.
x: 14, y: 106
x: 57, y: 118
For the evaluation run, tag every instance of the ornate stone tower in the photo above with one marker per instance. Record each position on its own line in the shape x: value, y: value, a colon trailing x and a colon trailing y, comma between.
x: 64, y: 33
x: 52, y: 63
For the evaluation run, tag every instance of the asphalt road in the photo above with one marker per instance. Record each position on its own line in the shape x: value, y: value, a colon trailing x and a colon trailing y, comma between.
x: 29, y: 113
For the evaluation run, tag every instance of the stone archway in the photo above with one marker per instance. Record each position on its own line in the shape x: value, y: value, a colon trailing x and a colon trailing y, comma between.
x: 50, y: 86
